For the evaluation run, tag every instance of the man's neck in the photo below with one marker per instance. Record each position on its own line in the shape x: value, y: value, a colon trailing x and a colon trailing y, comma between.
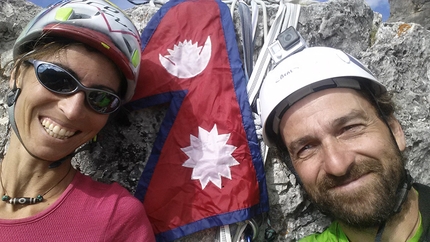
x: 399, y: 228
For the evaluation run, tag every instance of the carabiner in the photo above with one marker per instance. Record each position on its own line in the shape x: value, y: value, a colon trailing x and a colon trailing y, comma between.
x: 246, y: 232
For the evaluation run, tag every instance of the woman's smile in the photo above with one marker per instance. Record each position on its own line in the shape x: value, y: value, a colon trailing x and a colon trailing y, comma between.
x: 55, y: 130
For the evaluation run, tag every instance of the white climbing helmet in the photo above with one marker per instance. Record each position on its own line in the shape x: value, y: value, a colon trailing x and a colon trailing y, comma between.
x: 97, y: 23
x: 310, y: 70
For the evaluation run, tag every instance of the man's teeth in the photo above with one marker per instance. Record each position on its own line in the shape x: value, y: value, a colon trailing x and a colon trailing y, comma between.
x: 55, y: 131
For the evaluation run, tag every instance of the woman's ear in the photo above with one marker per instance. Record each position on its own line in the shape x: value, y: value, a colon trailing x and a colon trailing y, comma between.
x: 397, y: 131
x: 16, y: 75
x: 13, y: 81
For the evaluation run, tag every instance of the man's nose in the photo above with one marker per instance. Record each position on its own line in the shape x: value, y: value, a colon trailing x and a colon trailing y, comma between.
x: 337, y: 158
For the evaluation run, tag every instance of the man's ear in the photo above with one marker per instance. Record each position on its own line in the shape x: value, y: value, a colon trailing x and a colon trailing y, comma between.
x: 397, y: 131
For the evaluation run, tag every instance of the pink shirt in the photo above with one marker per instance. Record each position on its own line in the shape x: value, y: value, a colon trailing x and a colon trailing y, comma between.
x: 86, y: 211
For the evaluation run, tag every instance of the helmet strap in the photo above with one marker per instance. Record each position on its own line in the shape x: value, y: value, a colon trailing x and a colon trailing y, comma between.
x: 88, y: 146
x: 406, y: 183
x: 12, y: 96
x: 403, y: 190
x: 381, y: 228
x: 402, y: 194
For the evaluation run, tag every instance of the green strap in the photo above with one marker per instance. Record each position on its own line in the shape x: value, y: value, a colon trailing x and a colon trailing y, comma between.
x: 424, y: 206
x: 335, y: 233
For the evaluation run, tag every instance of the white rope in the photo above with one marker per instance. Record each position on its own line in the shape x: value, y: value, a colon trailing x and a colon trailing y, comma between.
x: 287, y: 15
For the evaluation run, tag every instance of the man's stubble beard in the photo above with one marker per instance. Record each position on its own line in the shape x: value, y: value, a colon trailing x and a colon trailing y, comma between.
x: 369, y: 205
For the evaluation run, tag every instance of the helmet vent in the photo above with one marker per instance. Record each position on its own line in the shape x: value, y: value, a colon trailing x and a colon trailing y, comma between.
x: 80, y: 16
x: 130, y: 50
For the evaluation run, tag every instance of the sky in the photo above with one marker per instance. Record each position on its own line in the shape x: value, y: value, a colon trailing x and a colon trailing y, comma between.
x: 124, y: 4
x: 381, y: 6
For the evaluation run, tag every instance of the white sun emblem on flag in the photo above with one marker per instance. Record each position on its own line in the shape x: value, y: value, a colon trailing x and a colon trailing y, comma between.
x: 210, y: 157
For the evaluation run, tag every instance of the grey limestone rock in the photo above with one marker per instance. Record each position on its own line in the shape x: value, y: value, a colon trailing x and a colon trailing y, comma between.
x: 396, y: 51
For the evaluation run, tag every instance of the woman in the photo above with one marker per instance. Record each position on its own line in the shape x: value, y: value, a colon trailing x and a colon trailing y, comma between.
x: 75, y: 64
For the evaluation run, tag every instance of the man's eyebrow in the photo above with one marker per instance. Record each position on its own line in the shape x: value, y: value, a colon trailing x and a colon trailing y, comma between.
x: 298, y: 143
x: 353, y: 114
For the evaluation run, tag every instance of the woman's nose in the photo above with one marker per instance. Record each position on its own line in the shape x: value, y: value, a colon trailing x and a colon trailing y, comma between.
x: 74, y: 106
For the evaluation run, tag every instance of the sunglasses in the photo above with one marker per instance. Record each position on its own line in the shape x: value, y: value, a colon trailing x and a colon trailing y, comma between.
x: 60, y: 81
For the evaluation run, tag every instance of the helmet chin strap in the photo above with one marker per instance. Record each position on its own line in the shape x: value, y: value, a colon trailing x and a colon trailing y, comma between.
x: 401, y: 194
x: 402, y: 191
x: 12, y: 96
x: 405, y: 184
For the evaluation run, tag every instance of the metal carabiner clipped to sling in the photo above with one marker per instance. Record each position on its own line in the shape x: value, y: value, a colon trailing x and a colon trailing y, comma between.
x: 246, y: 232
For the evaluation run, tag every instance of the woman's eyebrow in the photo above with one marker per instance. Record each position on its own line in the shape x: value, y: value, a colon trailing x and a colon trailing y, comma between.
x: 66, y: 68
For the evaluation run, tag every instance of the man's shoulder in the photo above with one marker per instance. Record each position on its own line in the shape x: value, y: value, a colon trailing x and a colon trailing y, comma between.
x: 335, y: 233
x: 424, y: 206
x: 423, y: 197
x: 421, y: 187
x: 332, y: 233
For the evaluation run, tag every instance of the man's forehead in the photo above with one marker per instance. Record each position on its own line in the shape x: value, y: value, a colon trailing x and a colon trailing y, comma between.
x: 326, y: 105
x: 328, y: 98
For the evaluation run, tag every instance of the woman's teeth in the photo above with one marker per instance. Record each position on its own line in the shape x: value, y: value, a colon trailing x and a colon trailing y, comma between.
x: 56, y: 131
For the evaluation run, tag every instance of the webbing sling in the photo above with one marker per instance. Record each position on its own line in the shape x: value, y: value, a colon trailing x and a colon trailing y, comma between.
x: 248, y: 43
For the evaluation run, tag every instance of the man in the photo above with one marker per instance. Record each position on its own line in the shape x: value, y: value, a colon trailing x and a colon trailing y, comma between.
x: 334, y: 122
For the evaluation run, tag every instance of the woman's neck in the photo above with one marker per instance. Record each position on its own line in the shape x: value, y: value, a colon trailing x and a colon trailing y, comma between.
x: 22, y: 175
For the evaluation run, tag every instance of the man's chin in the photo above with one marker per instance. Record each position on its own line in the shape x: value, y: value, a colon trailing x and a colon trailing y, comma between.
x: 361, y: 208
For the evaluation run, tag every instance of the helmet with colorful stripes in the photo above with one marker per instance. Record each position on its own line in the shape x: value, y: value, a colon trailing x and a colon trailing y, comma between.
x: 96, y: 23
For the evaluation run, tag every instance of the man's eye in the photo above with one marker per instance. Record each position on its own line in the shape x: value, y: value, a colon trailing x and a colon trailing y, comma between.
x: 352, y: 128
x: 347, y: 128
x: 304, y: 151
x: 304, y: 148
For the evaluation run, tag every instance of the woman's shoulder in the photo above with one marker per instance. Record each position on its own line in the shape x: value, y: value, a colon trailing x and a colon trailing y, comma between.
x: 125, y: 214
x: 86, y: 187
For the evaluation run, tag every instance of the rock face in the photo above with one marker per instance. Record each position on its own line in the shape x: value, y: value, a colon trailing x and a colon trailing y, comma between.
x: 397, y: 52
x: 410, y: 11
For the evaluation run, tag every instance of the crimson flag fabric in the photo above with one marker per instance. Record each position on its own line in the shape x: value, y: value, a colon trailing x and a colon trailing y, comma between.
x: 205, y: 168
